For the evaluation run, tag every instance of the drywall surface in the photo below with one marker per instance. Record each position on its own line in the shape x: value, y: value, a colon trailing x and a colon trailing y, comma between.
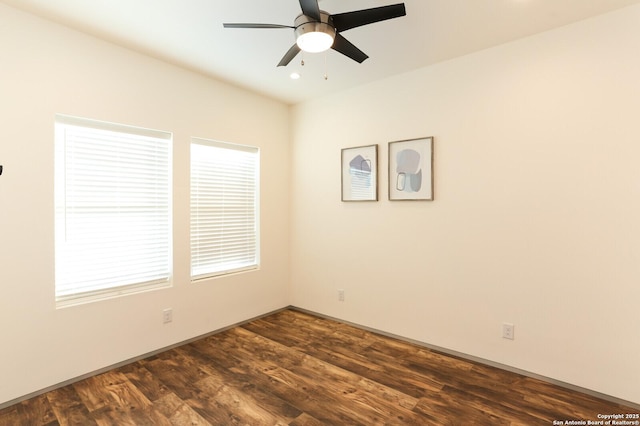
x: 47, y: 69
x: 535, y: 217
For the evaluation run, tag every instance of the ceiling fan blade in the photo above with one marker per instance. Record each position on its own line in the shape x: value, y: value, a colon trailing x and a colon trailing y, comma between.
x: 291, y: 53
x: 346, y: 21
x: 255, y: 26
x: 344, y: 46
x: 310, y: 8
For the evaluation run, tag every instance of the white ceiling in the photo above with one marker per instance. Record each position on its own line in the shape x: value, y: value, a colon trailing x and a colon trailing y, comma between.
x: 190, y: 33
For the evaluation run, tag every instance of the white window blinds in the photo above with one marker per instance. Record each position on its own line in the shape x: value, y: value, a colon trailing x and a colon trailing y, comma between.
x: 224, y: 208
x: 112, y: 209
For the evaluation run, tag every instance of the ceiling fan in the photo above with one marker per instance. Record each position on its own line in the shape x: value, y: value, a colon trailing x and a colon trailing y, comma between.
x: 316, y: 30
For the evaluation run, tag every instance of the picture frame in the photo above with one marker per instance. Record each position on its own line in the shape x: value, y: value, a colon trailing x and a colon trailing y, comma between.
x: 359, y: 177
x: 411, y: 170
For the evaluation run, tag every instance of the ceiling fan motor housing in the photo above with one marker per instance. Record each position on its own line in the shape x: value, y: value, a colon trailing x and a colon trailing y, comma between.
x: 307, y: 28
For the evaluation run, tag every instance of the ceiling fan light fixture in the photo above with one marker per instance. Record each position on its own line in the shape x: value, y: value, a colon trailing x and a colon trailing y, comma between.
x: 313, y: 36
x: 314, y: 42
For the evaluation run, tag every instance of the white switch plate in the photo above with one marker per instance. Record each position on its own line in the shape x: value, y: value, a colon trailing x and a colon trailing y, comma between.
x: 167, y: 315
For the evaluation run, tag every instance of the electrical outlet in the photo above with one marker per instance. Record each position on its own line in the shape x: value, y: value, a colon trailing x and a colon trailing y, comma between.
x: 507, y: 331
x: 167, y: 315
x: 341, y: 295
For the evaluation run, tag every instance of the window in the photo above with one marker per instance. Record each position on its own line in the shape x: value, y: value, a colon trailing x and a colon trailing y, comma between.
x: 112, y: 209
x: 224, y: 208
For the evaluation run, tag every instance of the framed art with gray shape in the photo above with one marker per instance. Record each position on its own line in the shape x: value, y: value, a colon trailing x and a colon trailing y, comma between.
x: 411, y: 169
x: 360, y: 173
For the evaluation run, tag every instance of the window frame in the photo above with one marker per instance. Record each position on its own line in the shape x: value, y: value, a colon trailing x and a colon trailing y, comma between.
x: 64, y: 293
x: 196, y: 266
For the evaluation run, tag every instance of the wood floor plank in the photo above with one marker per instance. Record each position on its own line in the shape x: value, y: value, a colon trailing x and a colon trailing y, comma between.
x: 175, y: 373
x: 238, y: 378
x: 294, y: 368
x: 112, y: 399
x: 445, y: 408
x: 35, y: 411
x: 132, y: 417
x: 239, y: 406
x: 11, y: 415
x: 148, y: 384
x: 68, y: 407
x: 305, y: 419
x: 108, y: 390
x: 179, y: 412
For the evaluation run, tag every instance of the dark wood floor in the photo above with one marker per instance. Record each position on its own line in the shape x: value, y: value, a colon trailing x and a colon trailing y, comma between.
x: 292, y: 368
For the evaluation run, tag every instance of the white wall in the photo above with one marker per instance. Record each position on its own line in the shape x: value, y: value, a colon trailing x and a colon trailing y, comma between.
x: 47, y: 69
x: 535, y: 218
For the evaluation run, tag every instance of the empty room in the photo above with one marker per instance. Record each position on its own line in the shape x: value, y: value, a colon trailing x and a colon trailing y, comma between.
x: 434, y: 220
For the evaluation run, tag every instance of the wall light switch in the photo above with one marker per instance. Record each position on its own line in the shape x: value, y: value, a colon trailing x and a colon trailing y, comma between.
x: 167, y: 315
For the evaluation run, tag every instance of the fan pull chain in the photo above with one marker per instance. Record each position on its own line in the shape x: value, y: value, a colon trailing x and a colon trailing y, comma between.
x: 302, y: 60
x: 326, y: 75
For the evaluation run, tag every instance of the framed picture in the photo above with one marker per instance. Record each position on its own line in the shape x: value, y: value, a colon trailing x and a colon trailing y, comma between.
x: 411, y: 169
x: 360, y: 173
